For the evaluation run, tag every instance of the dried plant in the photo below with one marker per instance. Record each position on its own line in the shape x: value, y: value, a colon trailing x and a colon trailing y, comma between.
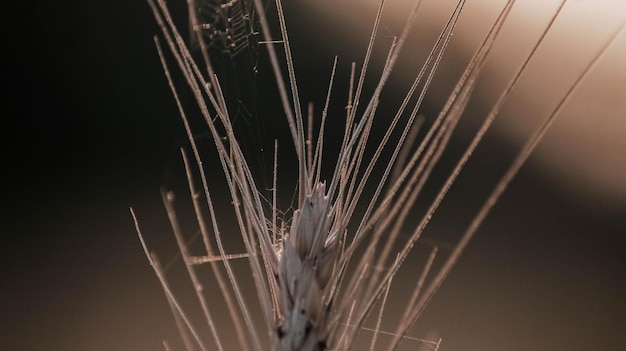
x: 321, y: 271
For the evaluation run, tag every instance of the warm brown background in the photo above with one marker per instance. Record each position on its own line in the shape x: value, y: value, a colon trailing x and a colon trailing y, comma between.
x: 90, y: 129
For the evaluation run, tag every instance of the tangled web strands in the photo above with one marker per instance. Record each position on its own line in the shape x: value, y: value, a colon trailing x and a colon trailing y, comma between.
x: 314, y: 291
x: 225, y: 25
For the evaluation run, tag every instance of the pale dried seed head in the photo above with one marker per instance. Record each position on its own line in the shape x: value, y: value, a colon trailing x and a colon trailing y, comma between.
x: 304, y: 270
x: 294, y: 286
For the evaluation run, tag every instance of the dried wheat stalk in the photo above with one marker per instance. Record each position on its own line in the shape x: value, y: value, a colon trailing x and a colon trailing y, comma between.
x: 315, y: 292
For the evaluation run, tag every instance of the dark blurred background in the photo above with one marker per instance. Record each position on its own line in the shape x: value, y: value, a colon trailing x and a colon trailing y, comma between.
x: 90, y: 128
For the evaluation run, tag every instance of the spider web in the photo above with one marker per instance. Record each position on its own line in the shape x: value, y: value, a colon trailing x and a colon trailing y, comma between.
x: 229, y: 29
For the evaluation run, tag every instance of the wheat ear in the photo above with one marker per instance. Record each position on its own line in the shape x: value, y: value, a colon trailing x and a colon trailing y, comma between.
x: 320, y: 274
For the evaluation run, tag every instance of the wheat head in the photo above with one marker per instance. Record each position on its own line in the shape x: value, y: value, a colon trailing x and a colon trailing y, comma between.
x: 320, y: 272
